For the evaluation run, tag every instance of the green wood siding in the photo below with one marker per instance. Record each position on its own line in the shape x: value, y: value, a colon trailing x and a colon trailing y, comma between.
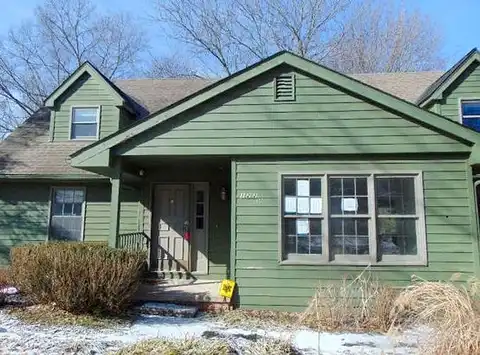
x: 467, y: 86
x: 86, y: 91
x: 217, y: 175
x: 23, y: 215
x: 265, y: 283
x: 97, y: 214
x: 322, y: 120
x: 129, y: 211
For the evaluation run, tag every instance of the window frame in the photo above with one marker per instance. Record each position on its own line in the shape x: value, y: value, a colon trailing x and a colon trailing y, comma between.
x: 460, y: 108
x: 373, y: 257
x: 53, y: 189
x: 97, y: 122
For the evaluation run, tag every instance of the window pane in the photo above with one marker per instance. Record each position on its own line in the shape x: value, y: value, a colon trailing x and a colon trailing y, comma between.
x: 316, y: 244
x: 199, y: 222
x: 200, y: 196
x: 348, y: 188
x: 290, y: 227
x: 303, y: 244
x: 315, y: 187
x: 290, y: 187
x: 66, y: 228
x: 395, y: 195
x: 84, y: 115
x: 316, y: 226
x: 397, y: 236
x: 200, y: 209
x: 291, y: 245
x: 69, y: 196
x: 67, y: 209
x: 66, y: 220
x: 349, y: 236
x: 80, y: 130
x: 348, y: 195
x: 473, y: 123
x: 59, y: 196
x: 57, y: 209
x: 471, y: 108
x: 335, y: 186
x: 79, y: 196
x: 77, y: 209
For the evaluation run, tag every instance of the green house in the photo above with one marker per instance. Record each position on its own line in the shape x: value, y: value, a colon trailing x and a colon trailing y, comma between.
x: 280, y: 176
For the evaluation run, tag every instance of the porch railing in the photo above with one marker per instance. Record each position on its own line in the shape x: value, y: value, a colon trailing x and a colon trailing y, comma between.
x: 134, y: 241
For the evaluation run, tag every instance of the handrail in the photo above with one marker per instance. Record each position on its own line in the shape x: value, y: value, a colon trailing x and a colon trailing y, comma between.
x: 134, y: 241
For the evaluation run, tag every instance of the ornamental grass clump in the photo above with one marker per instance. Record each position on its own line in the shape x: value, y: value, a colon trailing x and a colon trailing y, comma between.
x: 78, y: 277
x: 359, y: 304
x: 451, y: 311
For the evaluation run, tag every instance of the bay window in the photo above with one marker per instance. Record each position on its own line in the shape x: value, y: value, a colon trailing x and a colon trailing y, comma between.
x: 353, y: 219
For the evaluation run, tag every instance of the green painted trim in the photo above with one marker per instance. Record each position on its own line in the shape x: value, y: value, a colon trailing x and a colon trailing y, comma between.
x: 369, y: 93
x: 52, y: 125
x: 474, y: 218
x: 437, y: 94
x: 69, y: 81
x: 233, y: 220
x: 51, y: 177
x: 100, y: 160
x: 115, y: 206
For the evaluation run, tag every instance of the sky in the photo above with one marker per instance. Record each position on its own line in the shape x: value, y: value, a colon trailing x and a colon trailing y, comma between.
x: 457, y: 19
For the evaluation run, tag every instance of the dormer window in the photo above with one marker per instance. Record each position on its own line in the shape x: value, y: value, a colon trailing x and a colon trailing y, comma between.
x: 85, y: 123
x: 470, y: 113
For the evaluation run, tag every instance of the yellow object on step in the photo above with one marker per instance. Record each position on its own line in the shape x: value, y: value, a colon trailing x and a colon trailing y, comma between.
x: 226, y: 288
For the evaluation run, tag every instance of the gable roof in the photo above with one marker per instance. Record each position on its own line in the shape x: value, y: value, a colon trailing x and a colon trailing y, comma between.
x: 436, y: 89
x: 120, y: 97
x: 423, y: 117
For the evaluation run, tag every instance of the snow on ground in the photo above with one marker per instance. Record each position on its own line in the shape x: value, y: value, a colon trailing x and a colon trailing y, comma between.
x: 19, y: 338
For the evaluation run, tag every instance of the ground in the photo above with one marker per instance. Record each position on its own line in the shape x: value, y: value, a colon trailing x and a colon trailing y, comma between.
x: 17, y: 337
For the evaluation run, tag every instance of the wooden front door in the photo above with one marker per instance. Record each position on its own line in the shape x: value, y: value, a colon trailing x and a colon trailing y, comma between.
x: 171, y: 222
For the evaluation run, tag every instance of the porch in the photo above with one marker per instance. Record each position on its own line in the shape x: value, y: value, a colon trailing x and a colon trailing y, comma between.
x: 184, y: 224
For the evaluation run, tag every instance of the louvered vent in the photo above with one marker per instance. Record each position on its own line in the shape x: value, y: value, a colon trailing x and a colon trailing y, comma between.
x: 284, y: 86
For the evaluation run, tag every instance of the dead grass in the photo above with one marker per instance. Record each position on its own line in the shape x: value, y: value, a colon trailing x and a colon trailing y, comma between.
x: 257, y: 318
x: 452, y: 312
x: 187, y: 346
x: 269, y: 346
x: 51, y: 315
x: 361, y: 304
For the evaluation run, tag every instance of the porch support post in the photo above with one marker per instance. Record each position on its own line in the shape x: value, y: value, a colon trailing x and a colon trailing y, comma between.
x: 472, y: 193
x: 233, y: 220
x: 116, y: 182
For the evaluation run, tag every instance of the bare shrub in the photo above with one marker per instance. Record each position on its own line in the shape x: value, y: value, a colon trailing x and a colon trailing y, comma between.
x: 78, y: 277
x: 359, y: 304
x: 187, y: 346
x: 5, y: 281
x: 451, y: 311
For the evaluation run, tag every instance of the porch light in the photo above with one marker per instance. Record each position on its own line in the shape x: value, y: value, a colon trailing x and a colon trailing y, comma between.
x: 141, y: 172
x: 223, y: 194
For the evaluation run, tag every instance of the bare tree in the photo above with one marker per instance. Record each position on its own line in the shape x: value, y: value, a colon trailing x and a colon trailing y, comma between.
x: 349, y: 35
x: 380, y: 37
x: 171, y: 67
x: 38, y: 55
x: 227, y: 35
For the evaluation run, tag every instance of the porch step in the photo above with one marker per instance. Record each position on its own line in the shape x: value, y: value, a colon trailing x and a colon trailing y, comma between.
x: 167, y: 309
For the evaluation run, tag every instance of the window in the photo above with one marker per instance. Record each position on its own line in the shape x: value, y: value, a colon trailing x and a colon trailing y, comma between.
x: 66, y: 221
x: 470, y: 113
x: 200, y: 210
x: 85, y: 122
x: 371, y: 218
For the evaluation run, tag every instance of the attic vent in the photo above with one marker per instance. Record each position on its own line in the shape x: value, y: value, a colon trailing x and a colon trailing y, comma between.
x: 284, y: 87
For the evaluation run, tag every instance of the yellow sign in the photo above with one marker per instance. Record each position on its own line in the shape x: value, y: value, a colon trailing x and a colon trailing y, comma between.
x: 226, y: 288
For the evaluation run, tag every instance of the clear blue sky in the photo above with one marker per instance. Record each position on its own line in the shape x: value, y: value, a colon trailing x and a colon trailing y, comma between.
x: 458, y: 19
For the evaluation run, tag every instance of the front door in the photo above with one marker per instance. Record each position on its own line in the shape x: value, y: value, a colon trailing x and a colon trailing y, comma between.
x: 171, y: 223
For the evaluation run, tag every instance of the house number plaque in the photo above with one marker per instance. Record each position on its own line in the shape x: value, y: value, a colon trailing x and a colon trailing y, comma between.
x: 249, y: 196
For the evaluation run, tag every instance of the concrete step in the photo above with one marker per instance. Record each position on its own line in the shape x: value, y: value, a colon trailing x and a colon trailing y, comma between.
x: 167, y: 309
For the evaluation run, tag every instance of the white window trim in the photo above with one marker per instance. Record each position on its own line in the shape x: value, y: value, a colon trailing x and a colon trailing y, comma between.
x: 99, y: 109
x: 324, y: 258
x: 50, y: 206
x: 460, y: 108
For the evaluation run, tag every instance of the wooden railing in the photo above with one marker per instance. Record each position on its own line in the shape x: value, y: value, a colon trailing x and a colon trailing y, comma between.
x: 134, y: 241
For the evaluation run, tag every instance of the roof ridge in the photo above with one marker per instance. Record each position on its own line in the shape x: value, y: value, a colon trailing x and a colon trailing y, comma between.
x: 400, y: 72
x: 170, y: 78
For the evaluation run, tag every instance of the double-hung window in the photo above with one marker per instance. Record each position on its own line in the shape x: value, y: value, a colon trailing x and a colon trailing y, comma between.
x: 470, y: 113
x: 66, y: 215
x: 85, y: 122
x: 353, y: 219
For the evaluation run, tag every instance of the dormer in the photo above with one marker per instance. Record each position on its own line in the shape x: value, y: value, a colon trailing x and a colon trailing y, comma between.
x: 87, y: 106
x: 456, y: 94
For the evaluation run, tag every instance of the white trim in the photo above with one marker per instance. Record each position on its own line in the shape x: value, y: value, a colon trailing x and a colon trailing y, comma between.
x: 201, y: 186
x: 50, y: 206
x: 460, y: 108
x: 98, y: 108
x: 372, y: 257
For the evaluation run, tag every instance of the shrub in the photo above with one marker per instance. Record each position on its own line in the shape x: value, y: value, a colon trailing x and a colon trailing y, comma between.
x: 359, y: 304
x: 187, y: 346
x: 78, y: 277
x: 269, y: 346
x: 5, y: 281
x: 452, y: 312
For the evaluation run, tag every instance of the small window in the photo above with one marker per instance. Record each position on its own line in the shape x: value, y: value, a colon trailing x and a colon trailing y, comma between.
x: 471, y: 114
x: 66, y: 220
x: 200, y: 210
x: 284, y: 87
x: 84, y: 123
x: 353, y: 219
